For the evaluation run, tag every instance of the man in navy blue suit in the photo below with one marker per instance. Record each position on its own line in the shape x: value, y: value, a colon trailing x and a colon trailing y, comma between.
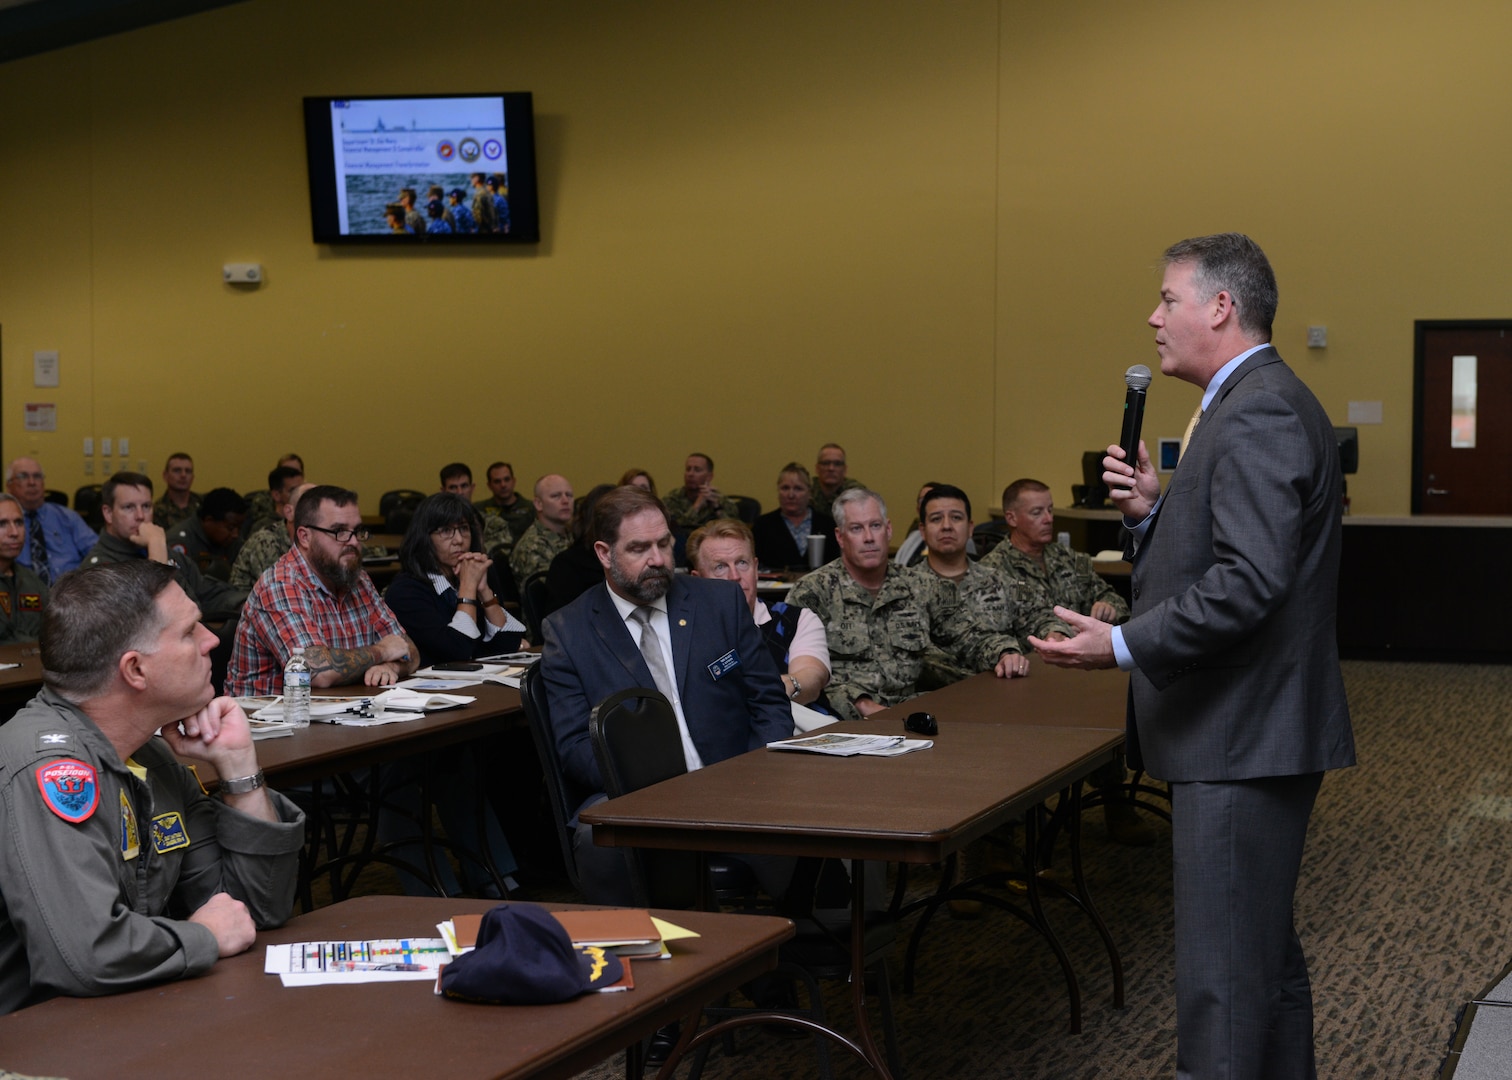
x: 691, y: 638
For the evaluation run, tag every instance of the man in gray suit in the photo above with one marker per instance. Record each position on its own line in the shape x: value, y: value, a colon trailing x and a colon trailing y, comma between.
x: 1236, y: 696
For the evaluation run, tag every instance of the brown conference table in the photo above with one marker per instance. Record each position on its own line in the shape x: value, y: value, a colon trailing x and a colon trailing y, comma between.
x: 1004, y: 747
x: 19, y: 684
x: 321, y: 751
x: 236, y: 1021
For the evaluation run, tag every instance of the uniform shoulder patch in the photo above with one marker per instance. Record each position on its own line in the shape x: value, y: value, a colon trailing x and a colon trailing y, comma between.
x: 168, y: 833
x: 70, y: 788
x: 54, y: 740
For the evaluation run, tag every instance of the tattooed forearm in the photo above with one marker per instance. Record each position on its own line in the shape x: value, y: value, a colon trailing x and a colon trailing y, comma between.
x: 343, y: 665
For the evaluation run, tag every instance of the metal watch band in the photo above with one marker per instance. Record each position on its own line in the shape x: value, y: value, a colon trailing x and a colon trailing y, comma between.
x: 242, y: 784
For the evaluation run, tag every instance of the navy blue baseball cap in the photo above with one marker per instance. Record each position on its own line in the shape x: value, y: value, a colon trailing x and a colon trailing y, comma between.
x: 524, y: 957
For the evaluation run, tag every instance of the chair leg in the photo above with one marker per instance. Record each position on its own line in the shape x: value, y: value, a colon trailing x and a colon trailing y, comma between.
x: 889, y: 1029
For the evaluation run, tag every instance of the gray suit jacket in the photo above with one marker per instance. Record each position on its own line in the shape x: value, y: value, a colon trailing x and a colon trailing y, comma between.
x: 1235, y: 594
x: 588, y: 654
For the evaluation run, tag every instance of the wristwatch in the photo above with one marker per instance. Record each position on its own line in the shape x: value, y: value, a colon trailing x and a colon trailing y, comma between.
x: 797, y: 687
x: 242, y: 784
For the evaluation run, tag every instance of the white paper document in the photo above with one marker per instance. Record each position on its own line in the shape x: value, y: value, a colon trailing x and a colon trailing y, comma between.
x: 840, y: 744
x: 316, y: 963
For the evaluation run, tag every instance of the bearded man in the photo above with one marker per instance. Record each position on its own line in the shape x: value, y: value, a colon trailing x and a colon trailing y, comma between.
x: 691, y: 638
x: 318, y: 598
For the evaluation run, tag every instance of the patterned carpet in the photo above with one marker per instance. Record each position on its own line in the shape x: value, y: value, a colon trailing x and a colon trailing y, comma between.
x: 1402, y: 908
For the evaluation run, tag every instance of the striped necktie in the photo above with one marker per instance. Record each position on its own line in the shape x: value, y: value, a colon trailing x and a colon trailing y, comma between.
x: 38, y: 547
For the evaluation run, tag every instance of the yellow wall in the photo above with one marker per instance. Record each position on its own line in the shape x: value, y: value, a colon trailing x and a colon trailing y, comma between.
x: 925, y: 231
x: 1363, y: 144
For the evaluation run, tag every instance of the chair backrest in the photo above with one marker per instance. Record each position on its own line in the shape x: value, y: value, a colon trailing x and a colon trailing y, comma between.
x: 988, y: 535
x: 390, y: 499
x: 533, y: 604
x: 538, y: 717
x: 636, y: 740
x: 87, y: 505
x: 637, y: 743
x: 53, y: 496
x: 501, y: 576
x: 398, y: 509
x: 750, y: 509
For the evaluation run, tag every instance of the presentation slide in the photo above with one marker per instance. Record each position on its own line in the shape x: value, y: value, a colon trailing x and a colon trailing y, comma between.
x: 382, y: 146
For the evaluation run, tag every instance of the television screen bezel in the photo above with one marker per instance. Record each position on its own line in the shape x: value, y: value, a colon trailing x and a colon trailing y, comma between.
x: 519, y: 150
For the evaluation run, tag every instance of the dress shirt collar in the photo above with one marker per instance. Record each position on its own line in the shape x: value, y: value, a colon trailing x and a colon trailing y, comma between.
x: 625, y: 607
x: 440, y: 583
x: 1216, y: 382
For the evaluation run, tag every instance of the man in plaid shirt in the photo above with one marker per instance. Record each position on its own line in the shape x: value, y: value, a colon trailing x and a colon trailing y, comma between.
x: 317, y: 597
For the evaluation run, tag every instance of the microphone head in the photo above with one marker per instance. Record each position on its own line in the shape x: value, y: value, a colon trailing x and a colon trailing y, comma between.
x: 1137, y: 377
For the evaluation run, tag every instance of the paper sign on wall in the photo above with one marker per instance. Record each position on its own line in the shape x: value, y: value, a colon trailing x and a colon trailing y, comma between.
x: 41, y: 416
x: 45, y: 367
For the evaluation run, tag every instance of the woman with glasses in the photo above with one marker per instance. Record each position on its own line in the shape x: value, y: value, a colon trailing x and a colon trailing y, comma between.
x: 443, y: 600
x: 442, y: 597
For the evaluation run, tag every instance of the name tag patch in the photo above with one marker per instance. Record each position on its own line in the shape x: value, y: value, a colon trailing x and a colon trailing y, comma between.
x: 69, y: 788
x: 131, y: 841
x: 724, y: 665
x: 168, y: 833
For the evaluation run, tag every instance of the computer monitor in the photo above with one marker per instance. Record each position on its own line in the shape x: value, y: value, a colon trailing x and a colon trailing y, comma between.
x: 1349, y: 449
x: 1095, y: 492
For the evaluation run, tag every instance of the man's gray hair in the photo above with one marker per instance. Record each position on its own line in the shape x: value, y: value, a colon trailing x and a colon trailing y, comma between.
x: 853, y: 497
x: 10, y: 468
x: 1232, y: 263
x: 94, y: 617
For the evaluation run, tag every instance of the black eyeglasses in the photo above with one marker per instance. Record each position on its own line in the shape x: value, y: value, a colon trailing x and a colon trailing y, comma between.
x: 343, y: 535
x: 921, y: 723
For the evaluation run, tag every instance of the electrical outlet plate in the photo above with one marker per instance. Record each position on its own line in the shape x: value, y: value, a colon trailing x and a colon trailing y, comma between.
x: 123, y: 446
x: 105, y: 447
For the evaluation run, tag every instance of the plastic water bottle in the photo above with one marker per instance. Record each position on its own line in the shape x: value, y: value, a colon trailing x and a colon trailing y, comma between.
x: 296, y: 690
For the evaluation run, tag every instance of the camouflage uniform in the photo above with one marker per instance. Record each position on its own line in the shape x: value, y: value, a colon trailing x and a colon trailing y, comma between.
x: 877, y: 644
x: 496, y: 534
x: 993, y: 600
x: 680, y: 509
x: 262, y: 550
x: 820, y: 501
x: 484, y: 211
x: 166, y: 513
x: 189, y: 540
x: 520, y: 516
x: 1067, y: 579
x: 534, y: 551
x: 260, y: 513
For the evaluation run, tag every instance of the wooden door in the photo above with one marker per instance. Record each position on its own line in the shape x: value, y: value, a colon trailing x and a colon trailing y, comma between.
x: 1462, y: 427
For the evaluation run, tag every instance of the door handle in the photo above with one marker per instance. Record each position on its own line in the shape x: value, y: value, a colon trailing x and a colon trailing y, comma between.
x: 1437, y: 491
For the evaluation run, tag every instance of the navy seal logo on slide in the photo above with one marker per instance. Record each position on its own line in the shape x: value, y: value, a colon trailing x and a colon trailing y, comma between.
x: 493, y: 149
x: 70, y: 788
x: 469, y: 149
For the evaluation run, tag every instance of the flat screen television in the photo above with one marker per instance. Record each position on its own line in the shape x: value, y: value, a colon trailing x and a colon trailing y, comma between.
x: 455, y: 169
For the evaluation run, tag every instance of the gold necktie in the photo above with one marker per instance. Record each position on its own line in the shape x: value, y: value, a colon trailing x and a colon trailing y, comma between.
x: 1186, y: 436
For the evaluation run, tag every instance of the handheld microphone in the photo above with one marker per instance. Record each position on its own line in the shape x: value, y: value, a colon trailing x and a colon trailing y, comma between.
x: 1137, y: 379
